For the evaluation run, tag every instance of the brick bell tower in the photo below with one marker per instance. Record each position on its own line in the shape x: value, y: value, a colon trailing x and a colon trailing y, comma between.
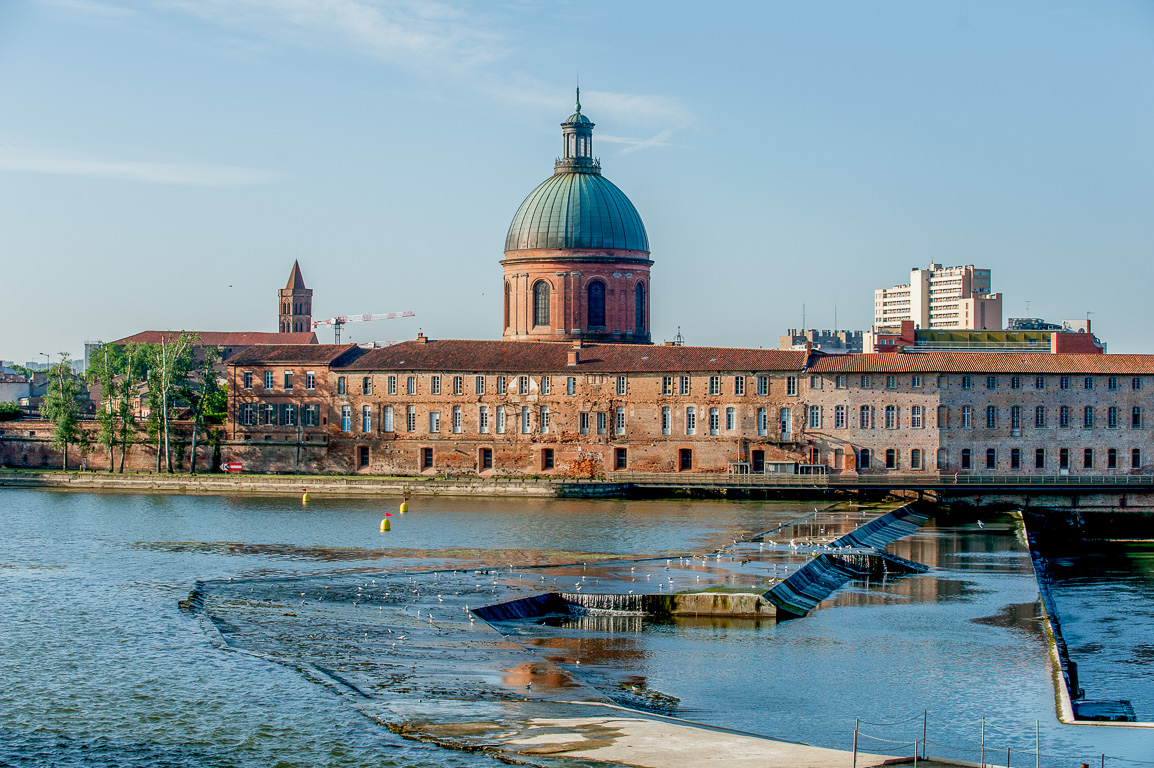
x: 577, y: 255
x: 296, y: 304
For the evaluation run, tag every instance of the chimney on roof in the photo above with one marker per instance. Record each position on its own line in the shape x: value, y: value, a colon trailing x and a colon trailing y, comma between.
x: 671, y: 343
x: 574, y: 357
x: 578, y: 344
x: 422, y: 338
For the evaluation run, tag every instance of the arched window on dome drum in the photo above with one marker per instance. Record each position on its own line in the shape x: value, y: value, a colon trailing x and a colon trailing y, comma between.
x: 639, y: 308
x: 541, y: 303
x: 596, y: 304
x: 506, y: 305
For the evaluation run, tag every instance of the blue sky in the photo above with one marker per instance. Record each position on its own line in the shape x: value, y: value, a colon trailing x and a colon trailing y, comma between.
x: 162, y: 162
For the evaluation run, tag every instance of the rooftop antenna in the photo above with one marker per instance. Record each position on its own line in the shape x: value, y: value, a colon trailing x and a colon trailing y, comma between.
x: 803, y: 317
x: 835, y: 314
x: 1027, y: 308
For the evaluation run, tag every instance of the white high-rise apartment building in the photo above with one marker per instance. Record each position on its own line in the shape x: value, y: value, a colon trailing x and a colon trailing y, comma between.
x: 941, y: 297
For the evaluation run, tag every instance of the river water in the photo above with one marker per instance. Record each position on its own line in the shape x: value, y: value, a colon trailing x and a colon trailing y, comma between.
x: 102, y: 667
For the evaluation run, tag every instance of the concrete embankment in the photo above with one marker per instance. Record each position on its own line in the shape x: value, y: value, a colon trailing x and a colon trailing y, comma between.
x: 316, y: 484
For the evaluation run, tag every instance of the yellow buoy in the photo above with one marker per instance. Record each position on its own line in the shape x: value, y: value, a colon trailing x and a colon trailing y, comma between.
x: 404, y: 507
x: 305, y: 498
x: 385, y: 525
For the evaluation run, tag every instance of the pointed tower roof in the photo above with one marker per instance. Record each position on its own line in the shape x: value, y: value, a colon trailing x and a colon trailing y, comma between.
x: 296, y: 280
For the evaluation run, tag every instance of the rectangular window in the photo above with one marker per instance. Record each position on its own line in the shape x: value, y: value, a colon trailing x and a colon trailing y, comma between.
x: 364, y: 455
x: 546, y: 458
x: 268, y: 379
x: 544, y: 416
x: 501, y: 417
x: 730, y: 419
x: 483, y: 420
x: 1088, y: 458
x: 391, y: 385
x: 839, y: 417
x: 1088, y: 417
x: 387, y: 418
x: 621, y: 385
x: 526, y: 424
x: 367, y: 385
x: 366, y: 418
x: 738, y: 385
x: 426, y: 458
x: 583, y: 423
x: 891, y: 382
x: 571, y: 385
x: 1136, y: 418
x: 1112, y: 383
x: 546, y: 384
x: 486, y: 459
x: 763, y: 385
x: 620, y: 420
x: 891, y: 458
x: 620, y: 458
x: 1015, y: 458
x: 967, y: 382
x: 1136, y: 384
x: 434, y: 385
x: 690, y: 421
x: 916, y: 458
x: 1040, y: 416
x: 1136, y: 458
x: 479, y: 387
x: 1088, y: 382
x: 685, y: 459
x: 863, y: 460
x: 965, y: 458
x: 1064, y: 416
x: 667, y: 385
x: 522, y: 385
x: 458, y: 385
x: 991, y: 458
x: 310, y: 380
x: 342, y: 386
x: 715, y: 385
x: 289, y: 415
x: 1015, y: 383
x: 434, y: 422
x: 943, y: 417
x: 457, y: 418
x: 1112, y: 459
x: 312, y: 416
x: 864, y: 417
x: 991, y: 382
x: 714, y: 421
x: 501, y: 385
x: 666, y: 420
x: 791, y: 385
x: 1016, y: 419
x: 916, y: 416
x: 915, y: 382
x: 967, y: 417
x: 248, y: 379
x: 1040, y: 458
x: 288, y: 380
x: 411, y: 418
x: 683, y: 385
x: 1112, y: 417
x: 1064, y: 458
x: 866, y: 382
x: 411, y: 385
x: 991, y: 417
x: 1064, y: 382
x: 891, y: 415
x: 602, y: 426
x: 815, y: 382
x: 762, y: 421
x: 815, y: 417
x: 840, y: 382
x: 1039, y: 382
x: 346, y: 418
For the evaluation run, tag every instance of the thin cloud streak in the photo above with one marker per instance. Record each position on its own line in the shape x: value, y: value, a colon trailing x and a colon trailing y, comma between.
x: 88, y: 7
x: 660, y: 140
x: 26, y: 160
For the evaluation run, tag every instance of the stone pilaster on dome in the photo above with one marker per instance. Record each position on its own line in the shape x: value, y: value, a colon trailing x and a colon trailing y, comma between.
x: 577, y: 132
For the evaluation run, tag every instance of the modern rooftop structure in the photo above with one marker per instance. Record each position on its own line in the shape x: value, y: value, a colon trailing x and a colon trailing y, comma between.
x: 941, y: 297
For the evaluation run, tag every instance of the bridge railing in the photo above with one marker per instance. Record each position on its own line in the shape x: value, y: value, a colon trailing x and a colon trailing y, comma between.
x: 722, y: 479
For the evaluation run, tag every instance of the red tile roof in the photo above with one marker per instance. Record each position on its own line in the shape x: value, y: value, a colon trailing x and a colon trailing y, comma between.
x: 983, y: 362
x: 530, y: 356
x: 222, y: 338
x: 304, y: 354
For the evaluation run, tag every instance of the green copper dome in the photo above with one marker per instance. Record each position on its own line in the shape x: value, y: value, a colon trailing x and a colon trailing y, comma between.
x: 577, y: 210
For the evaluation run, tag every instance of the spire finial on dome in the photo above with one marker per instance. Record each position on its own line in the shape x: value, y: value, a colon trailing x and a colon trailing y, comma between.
x: 578, y: 99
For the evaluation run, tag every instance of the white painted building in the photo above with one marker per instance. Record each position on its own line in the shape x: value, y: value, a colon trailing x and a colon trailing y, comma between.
x: 941, y: 297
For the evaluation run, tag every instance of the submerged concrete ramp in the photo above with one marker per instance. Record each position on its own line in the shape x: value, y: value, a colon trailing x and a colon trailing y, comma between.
x: 884, y: 530
x: 744, y: 605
